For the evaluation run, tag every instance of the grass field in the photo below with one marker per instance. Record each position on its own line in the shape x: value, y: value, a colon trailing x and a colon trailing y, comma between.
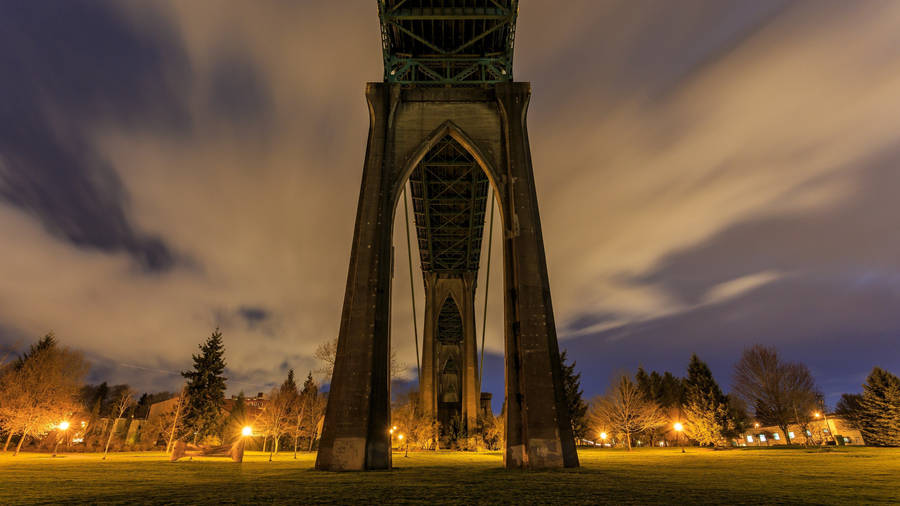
x: 834, y: 476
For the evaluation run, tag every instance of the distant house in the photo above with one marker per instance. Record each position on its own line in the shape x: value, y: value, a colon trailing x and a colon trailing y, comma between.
x: 836, y: 430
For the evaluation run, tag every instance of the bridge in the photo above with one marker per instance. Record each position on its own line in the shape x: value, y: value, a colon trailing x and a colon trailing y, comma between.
x: 448, y: 123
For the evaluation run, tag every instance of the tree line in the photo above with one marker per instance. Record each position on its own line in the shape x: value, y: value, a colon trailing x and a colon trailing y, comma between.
x: 44, y: 387
x: 766, y: 390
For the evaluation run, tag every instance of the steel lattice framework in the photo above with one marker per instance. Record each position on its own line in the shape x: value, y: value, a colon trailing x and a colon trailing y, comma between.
x: 450, y: 325
x: 449, y: 42
x: 449, y: 191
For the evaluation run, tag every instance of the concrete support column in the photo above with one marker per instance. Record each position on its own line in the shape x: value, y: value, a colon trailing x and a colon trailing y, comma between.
x: 471, y: 388
x: 355, y: 434
x: 428, y: 388
x: 538, y: 428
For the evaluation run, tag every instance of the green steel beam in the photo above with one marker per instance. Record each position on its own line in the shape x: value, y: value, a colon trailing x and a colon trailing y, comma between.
x: 447, y: 32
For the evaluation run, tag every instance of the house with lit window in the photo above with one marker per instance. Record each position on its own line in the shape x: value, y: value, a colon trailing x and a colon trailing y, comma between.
x: 830, y: 430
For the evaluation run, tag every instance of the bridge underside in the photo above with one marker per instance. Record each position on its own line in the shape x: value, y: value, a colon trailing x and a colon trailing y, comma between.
x: 449, y: 192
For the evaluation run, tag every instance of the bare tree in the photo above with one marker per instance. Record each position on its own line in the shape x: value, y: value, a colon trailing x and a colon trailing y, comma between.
x: 181, y: 401
x: 41, y: 389
x: 278, y: 413
x: 125, y: 400
x: 310, y: 409
x: 327, y: 351
x: 777, y: 390
x: 418, y: 429
x: 624, y: 410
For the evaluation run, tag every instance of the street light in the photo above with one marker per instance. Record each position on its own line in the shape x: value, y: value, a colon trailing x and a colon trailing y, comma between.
x: 247, y: 431
x: 678, y: 429
x: 63, y: 426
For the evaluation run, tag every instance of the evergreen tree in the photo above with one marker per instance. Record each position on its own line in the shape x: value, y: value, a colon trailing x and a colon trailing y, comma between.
x: 575, y: 402
x: 880, y: 409
x: 705, y: 408
x: 850, y: 408
x: 205, y: 388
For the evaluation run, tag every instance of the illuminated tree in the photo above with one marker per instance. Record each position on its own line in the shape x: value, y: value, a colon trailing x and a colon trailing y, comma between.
x: 41, y: 388
x: 205, y: 388
x: 705, y: 410
x: 625, y: 411
x: 418, y: 429
x: 278, y: 414
x: 493, y: 430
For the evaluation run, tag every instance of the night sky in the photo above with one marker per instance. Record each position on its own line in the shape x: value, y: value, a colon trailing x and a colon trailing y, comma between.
x: 711, y: 175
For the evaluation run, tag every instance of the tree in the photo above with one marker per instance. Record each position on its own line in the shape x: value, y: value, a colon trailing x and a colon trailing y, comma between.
x: 574, y: 400
x: 41, y: 388
x: 737, y: 411
x: 624, y: 410
x: 311, y: 408
x: 418, y: 429
x: 776, y: 390
x: 205, y: 389
x: 667, y: 391
x: 880, y: 409
x: 326, y: 354
x: 706, y: 407
x: 124, y: 401
x: 494, y: 431
x: 278, y: 414
x: 850, y: 408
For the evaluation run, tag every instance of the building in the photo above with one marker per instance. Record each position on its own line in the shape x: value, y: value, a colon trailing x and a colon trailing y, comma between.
x: 830, y: 429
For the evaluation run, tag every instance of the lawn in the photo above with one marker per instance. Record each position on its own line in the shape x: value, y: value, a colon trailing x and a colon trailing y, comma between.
x: 834, y: 476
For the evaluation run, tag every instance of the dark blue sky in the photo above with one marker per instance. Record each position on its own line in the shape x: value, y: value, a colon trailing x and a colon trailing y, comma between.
x: 712, y: 175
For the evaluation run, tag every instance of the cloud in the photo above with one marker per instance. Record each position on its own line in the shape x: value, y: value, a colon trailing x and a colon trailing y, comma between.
x: 738, y: 286
x: 703, y: 168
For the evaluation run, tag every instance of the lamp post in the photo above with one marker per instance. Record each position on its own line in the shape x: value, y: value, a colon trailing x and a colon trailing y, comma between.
x: 400, y: 438
x: 678, y: 428
x: 756, y: 425
x: 603, y: 437
x: 64, y: 427
x: 827, y: 427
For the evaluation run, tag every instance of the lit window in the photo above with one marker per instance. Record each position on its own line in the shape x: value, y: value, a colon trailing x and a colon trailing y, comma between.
x: 791, y: 434
x: 808, y: 433
x: 825, y: 431
x: 776, y: 436
x: 749, y: 439
x: 847, y: 440
x: 762, y: 437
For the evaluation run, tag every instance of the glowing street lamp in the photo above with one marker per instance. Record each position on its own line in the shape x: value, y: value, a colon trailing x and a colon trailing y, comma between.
x: 64, y: 427
x: 678, y: 428
x: 247, y: 431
